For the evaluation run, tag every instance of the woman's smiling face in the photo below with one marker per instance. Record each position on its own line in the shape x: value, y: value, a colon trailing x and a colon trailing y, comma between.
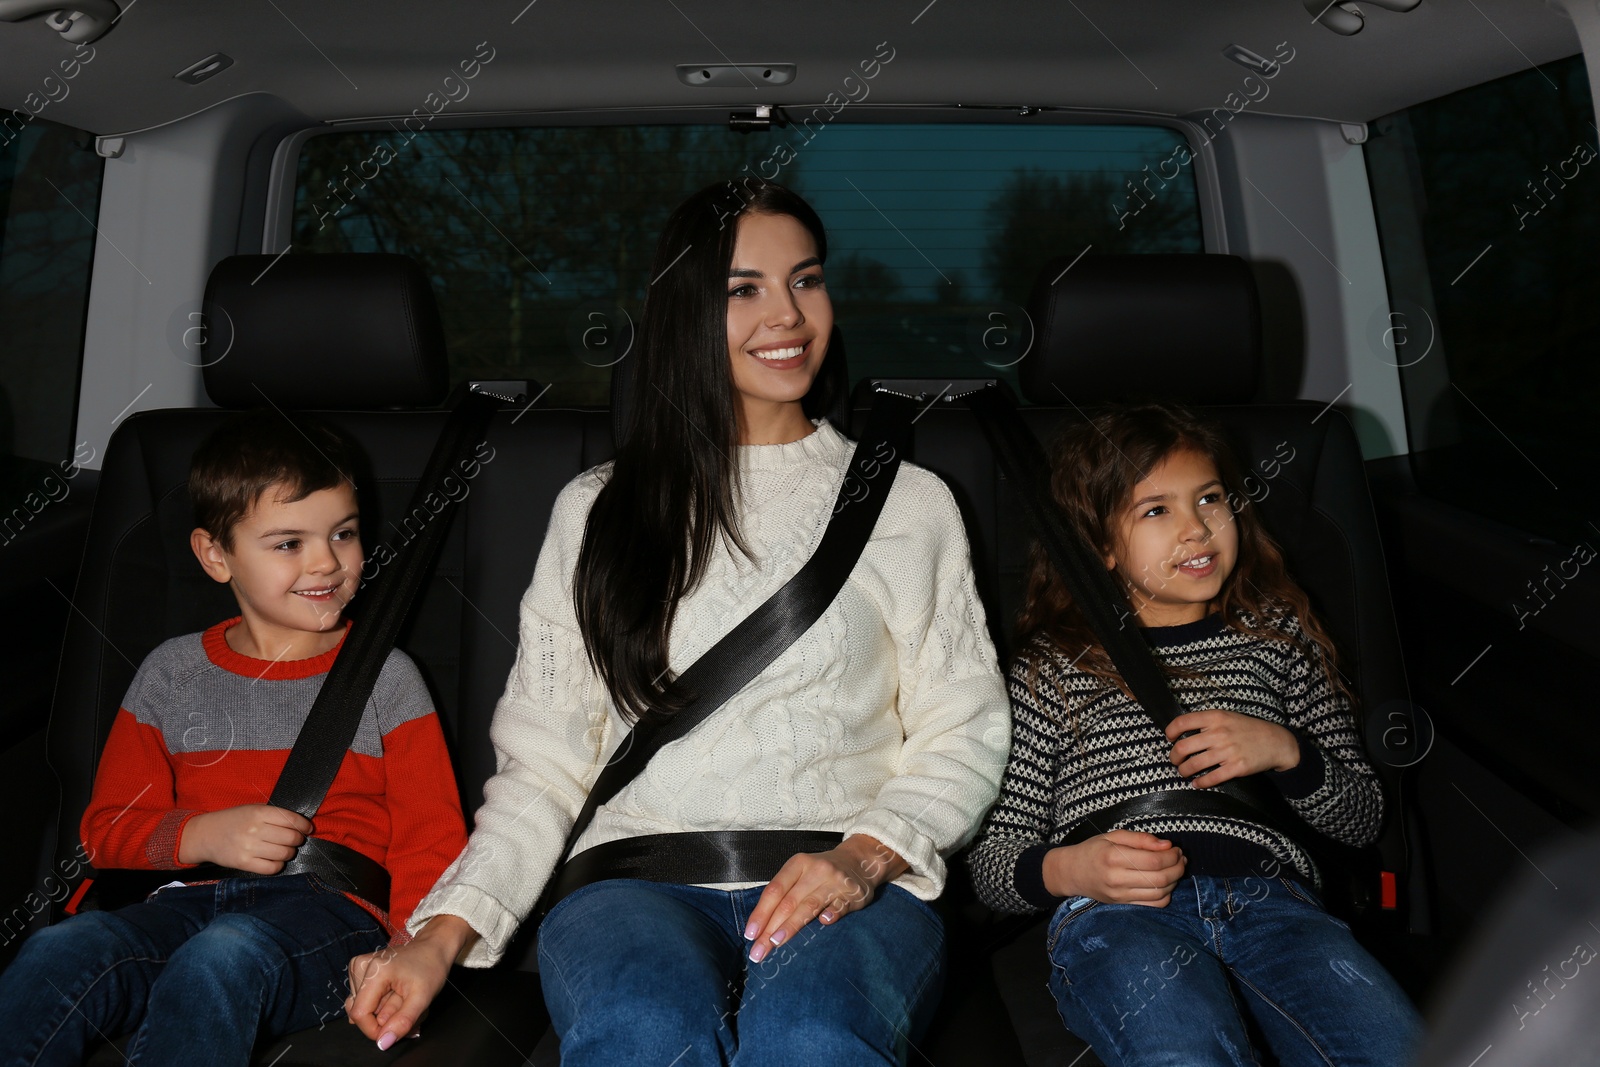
x: 779, y: 321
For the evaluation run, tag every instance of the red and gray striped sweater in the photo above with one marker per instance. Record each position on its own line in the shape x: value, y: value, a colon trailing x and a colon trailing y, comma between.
x: 205, y: 728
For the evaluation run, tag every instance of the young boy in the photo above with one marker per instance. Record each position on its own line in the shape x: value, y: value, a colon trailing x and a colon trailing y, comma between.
x: 200, y: 970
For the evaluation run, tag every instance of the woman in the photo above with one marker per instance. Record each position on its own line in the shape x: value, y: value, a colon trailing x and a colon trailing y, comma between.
x: 887, y: 721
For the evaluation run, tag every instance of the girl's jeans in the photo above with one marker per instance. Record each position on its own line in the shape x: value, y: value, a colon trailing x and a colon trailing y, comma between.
x: 647, y: 973
x: 197, y: 971
x: 1177, y: 985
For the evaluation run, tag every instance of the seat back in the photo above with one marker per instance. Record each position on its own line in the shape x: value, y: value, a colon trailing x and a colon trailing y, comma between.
x: 1187, y: 328
x: 503, y: 524
x: 1183, y: 328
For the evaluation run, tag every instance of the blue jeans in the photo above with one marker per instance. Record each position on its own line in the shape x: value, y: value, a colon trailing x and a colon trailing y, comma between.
x: 197, y: 972
x: 1176, y: 985
x: 647, y: 973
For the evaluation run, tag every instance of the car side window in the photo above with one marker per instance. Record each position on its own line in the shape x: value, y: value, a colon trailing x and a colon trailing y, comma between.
x: 1488, y: 204
x: 539, y: 240
x: 49, y: 200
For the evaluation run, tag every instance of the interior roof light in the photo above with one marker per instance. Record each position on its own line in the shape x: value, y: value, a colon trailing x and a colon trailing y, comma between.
x: 84, y: 21
x: 195, y: 73
x: 1345, y: 18
x: 1251, y: 60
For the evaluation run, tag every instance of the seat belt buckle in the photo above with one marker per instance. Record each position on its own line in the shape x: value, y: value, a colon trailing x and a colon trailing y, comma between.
x: 1388, y: 891
x: 71, y: 906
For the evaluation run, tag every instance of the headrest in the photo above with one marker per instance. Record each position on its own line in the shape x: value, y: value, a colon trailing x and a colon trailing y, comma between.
x: 346, y: 330
x: 1178, y: 327
x: 829, y: 396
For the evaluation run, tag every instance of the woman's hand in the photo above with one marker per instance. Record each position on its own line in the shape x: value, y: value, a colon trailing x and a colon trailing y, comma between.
x: 258, y: 838
x: 392, y: 988
x: 1229, y: 745
x: 1118, y: 867
x: 823, y: 886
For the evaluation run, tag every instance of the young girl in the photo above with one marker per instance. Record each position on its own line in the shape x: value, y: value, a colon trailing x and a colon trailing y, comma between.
x: 885, y: 722
x: 1178, y: 936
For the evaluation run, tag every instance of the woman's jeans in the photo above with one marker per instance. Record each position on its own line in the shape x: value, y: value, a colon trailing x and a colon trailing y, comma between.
x: 647, y: 973
x: 198, y: 971
x: 1188, y: 983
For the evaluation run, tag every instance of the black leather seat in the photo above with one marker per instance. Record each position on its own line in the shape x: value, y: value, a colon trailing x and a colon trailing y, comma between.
x: 1187, y: 328
x: 356, y: 338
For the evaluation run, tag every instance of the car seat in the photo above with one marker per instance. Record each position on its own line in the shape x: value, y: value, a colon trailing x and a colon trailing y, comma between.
x: 357, y: 338
x: 1188, y: 328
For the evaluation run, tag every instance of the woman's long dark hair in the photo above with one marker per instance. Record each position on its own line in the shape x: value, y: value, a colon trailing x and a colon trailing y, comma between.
x: 1094, y: 468
x: 674, y: 483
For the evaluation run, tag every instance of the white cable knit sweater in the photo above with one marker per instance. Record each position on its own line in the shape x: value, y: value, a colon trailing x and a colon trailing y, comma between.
x: 888, y: 717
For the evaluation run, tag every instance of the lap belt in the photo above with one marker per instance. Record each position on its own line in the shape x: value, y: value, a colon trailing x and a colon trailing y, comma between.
x: 709, y: 858
x: 338, y: 867
x: 1165, y: 803
x: 335, y: 714
x: 742, y: 654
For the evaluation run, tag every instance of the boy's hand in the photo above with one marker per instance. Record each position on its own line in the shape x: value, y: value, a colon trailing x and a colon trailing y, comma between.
x: 1118, y: 867
x: 258, y: 838
x: 1229, y: 745
x: 392, y: 988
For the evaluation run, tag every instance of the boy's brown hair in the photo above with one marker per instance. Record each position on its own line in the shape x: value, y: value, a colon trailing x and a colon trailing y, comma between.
x: 254, y: 451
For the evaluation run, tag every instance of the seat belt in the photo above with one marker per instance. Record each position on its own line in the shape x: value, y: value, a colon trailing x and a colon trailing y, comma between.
x: 724, y: 669
x: 1104, y: 606
x: 335, y: 714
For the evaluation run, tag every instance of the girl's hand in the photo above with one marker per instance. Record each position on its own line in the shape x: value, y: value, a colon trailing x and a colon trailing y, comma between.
x: 1118, y: 867
x: 258, y: 838
x: 1229, y: 745
x: 392, y: 988
x: 820, y: 885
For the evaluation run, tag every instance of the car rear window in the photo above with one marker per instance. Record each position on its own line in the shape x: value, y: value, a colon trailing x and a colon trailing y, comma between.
x: 539, y: 239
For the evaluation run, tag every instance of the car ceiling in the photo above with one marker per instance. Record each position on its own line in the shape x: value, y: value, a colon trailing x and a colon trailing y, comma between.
x: 356, y: 59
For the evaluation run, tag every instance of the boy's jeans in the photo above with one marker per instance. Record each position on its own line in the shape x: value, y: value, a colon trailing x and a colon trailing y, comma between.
x: 647, y: 973
x: 199, y: 971
x: 1175, y: 985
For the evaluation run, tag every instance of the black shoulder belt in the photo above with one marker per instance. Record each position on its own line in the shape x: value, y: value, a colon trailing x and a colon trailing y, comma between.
x: 727, y: 667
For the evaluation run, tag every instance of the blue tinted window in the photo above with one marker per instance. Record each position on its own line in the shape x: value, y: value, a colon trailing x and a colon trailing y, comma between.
x: 539, y: 240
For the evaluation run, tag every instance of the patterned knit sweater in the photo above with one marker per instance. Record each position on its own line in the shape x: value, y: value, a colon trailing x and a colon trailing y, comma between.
x: 205, y: 728
x: 1055, y: 779
x: 888, y: 717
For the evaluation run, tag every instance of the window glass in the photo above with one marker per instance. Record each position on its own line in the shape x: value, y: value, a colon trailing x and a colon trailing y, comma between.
x: 49, y: 200
x: 1488, y: 204
x: 539, y: 240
